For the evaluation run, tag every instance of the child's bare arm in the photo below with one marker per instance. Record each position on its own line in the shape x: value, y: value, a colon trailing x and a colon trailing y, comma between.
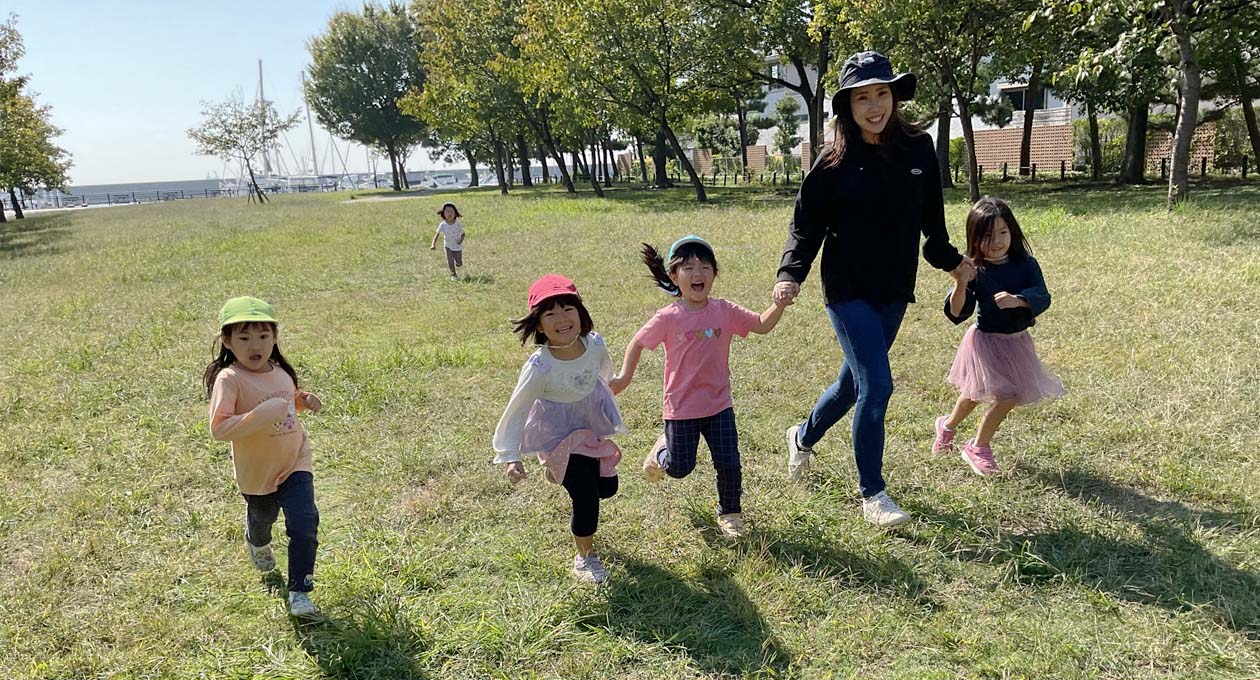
x: 770, y: 318
x: 629, y: 364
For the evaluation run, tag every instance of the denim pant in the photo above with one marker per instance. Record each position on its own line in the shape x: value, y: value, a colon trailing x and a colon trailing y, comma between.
x: 296, y: 496
x: 586, y: 488
x: 682, y: 440
x: 866, y: 332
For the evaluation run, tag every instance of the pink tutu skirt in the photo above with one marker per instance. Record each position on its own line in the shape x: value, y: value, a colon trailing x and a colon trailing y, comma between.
x: 992, y: 367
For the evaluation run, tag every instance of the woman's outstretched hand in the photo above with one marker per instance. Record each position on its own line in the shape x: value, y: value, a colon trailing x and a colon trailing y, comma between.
x: 785, y: 292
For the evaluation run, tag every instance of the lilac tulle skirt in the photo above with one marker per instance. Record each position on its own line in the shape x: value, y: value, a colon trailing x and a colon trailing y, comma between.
x: 549, y: 422
x: 992, y: 367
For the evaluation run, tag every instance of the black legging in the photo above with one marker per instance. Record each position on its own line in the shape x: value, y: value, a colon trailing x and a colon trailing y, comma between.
x: 586, y: 487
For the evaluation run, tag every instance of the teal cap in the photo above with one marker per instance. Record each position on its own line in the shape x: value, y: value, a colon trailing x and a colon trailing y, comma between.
x: 689, y: 238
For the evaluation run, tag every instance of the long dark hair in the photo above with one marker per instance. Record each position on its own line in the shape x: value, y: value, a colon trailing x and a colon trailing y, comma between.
x: 980, y: 220
x: 529, y: 327
x: 846, y: 133
x: 661, y: 270
x: 226, y: 358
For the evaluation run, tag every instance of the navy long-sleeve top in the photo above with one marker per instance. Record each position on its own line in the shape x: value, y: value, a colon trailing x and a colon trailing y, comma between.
x: 868, y: 211
x: 1020, y: 277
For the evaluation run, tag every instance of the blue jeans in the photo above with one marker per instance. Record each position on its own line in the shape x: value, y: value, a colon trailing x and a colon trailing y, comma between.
x: 866, y: 332
x: 296, y: 496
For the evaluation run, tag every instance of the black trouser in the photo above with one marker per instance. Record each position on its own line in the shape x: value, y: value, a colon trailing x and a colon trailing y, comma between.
x: 296, y: 496
x: 586, y: 487
x: 682, y: 440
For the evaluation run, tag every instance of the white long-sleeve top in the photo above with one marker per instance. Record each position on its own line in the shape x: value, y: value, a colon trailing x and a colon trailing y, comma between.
x: 545, y: 377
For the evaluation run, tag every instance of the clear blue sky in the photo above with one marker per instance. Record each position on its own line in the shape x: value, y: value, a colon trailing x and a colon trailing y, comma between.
x: 126, y: 79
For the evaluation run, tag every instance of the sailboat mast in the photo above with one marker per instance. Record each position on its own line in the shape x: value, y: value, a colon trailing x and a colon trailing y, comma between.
x: 262, y: 112
x: 309, y: 128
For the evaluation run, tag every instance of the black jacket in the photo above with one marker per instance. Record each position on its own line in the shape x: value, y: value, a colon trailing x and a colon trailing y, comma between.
x: 869, y: 213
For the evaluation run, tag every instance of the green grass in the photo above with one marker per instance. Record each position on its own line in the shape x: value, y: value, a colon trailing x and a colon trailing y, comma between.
x: 1123, y: 542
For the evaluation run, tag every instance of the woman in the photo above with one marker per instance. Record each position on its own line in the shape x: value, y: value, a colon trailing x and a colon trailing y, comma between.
x: 868, y: 198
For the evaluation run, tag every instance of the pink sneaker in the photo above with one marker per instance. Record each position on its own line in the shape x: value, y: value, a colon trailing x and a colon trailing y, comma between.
x: 944, y: 442
x: 980, y: 458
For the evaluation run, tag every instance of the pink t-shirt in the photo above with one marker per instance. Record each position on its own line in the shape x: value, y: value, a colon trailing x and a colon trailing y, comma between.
x: 697, y: 355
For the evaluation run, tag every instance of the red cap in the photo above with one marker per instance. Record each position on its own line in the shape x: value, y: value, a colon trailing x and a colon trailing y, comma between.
x: 549, y: 286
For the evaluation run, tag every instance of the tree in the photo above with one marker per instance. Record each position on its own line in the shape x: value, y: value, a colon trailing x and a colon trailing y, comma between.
x: 29, y: 158
x: 656, y: 59
x: 360, y: 67
x: 717, y: 132
x: 238, y: 131
x: 785, y: 138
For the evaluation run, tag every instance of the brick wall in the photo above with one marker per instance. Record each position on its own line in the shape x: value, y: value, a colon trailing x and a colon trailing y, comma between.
x: 756, y: 158
x: 1050, y: 145
x: 1160, y: 145
x: 702, y: 161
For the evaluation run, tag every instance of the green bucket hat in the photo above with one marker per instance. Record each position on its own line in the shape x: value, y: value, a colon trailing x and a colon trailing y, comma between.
x: 689, y: 238
x: 241, y: 309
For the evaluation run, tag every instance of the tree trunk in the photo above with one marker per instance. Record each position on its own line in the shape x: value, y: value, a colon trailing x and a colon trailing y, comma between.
x: 510, y: 165
x: 701, y: 196
x: 17, y: 205
x: 473, y: 179
x: 522, y: 154
x: 3, y: 219
x: 393, y: 167
x: 658, y: 159
x: 591, y: 167
x: 1133, y: 166
x: 498, y: 167
x: 1249, y: 115
x: 969, y: 137
x: 542, y: 130
x: 741, y: 116
x: 253, y: 184
x: 942, y: 142
x: 1031, y: 95
x: 638, y: 146
x: 1188, y: 119
x: 1095, y: 144
x: 609, y: 165
x: 546, y: 171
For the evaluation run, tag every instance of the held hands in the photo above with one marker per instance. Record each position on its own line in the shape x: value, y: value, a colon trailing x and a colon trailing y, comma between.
x: 785, y: 292
x: 433, y: 247
x: 964, y: 272
x: 515, y: 471
x: 1005, y: 300
x: 618, y: 384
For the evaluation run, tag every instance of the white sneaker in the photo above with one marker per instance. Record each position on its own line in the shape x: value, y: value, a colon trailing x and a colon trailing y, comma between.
x: 589, y: 568
x: 652, y: 470
x: 300, y: 604
x: 798, y: 456
x: 262, y: 556
x: 883, y: 511
x: 731, y: 524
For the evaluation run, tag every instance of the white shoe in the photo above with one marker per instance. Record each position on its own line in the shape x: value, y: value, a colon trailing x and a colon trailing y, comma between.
x: 300, y: 604
x: 652, y: 470
x: 589, y: 568
x: 262, y: 556
x: 798, y: 456
x: 883, y: 511
x: 731, y: 524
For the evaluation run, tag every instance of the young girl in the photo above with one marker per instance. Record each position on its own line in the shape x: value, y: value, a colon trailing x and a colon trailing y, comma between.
x: 996, y: 362
x: 696, y: 332
x: 254, y: 400
x: 563, y: 412
x: 452, y: 233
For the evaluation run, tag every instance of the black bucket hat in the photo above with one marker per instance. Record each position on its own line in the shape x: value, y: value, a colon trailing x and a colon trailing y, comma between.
x: 872, y: 68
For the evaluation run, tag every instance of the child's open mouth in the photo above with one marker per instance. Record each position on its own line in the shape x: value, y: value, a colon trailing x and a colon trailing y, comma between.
x: 255, y: 357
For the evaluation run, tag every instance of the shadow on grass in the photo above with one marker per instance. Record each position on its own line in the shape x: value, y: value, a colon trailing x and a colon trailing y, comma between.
x: 375, y: 641
x: 1088, y: 197
x: 35, y: 235
x: 707, y: 617
x: 813, y: 554
x: 681, y: 197
x: 1164, y: 566
x: 478, y: 279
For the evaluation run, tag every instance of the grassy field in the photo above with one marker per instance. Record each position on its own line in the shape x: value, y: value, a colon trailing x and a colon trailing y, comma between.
x: 1123, y: 542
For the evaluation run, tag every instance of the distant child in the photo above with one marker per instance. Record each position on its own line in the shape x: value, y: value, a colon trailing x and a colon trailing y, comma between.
x: 452, y: 232
x: 696, y: 331
x: 563, y: 412
x: 254, y: 400
x: 996, y: 361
